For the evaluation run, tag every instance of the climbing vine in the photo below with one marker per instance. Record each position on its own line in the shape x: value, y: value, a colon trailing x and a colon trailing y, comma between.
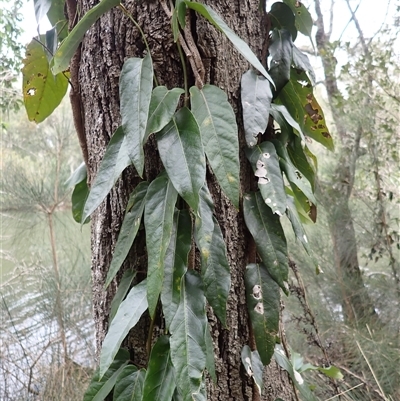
x: 279, y: 113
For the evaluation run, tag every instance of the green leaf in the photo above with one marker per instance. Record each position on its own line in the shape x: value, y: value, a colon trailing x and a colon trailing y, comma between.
x: 210, y: 15
x: 188, y: 348
x: 256, y: 97
x: 159, y: 384
x: 129, y: 385
x: 51, y: 43
x: 297, y: 225
x: 77, y: 176
x: 304, y: 22
x: 253, y: 365
x: 78, y: 199
x: 178, y: 18
x: 292, y: 173
x: 210, y: 356
x: 299, y: 99
x: 215, y: 270
x: 42, y: 91
x: 301, y: 62
x: 128, y: 314
x: 332, y: 372
x: 70, y: 44
x: 300, y: 161
x: 286, y: 122
x: 162, y: 107
x: 57, y: 18
x: 265, y: 163
x: 219, y: 134
x: 135, y: 89
x: 282, y: 17
x: 266, y: 229
x: 280, y: 50
x: 302, y: 204
x: 101, y: 385
x: 123, y: 288
x: 115, y: 160
x: 130, y: 227
x: 176, y: 259
x: 158, y: 220
x: 296, y: 377
x: 182, y: 154
x: 263, y: 304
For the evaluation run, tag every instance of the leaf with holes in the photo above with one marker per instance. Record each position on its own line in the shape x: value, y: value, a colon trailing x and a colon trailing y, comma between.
x: 219, y: 134
x: 158, y: 221
x: 162, y: 107
x: 135, y: 89
x: 280, y: 50
x: 182, y: 154
x: 102, y: 384
x: 256, y: 97
x: 129, y: 385
x: 188, y: 347
x: 298, y: 97
x: 265, y: 163
x: 214, y: 262
x: 114, y: 162
x: 241, y: 46
x: 263, y: 304
x: 130, y: 227
x: 253, y: 365
x: 286, y: 122
x: 304, y: 22
x: 176, y: 260
x: 282, y: 17
x: 70, y: 44
x: 159, y: 383
x: 266, y: 229
x: 42, y: 91
x: 128, y: 314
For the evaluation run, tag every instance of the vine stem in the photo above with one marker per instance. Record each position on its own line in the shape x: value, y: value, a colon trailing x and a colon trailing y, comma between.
x: 185, y: 79
x: 128, y: 14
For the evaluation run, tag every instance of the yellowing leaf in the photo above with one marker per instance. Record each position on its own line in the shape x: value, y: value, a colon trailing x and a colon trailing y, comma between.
x: 42, y: 91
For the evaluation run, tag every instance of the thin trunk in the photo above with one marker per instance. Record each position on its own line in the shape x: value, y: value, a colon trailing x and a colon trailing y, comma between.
x: 356, y: 303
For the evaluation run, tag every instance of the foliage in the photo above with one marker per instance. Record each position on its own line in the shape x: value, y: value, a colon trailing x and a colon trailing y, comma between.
x: 10, y: 54
x: 186, y: 140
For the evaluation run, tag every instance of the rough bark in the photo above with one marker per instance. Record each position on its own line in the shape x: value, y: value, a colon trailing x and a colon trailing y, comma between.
x: 105, y: 47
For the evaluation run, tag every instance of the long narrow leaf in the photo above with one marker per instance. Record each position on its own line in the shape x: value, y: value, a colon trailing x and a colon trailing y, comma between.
x: 263, y: 300
x: 159, y: 383
x: 128, y: 314
x: 123, y: 288
x: 214, y: 262
x: 101, y: 385
x: 114, y: 162
x: 265, y: 163
x: 256, y: 97
x: 70, y: 44
x: 219, y: 134
x: 158, y: 220
x: 176, y: 259
x: 266, y: 229
x: 129, y: 385
x: 135, y: 88
x: 182, y: 154
x: 241, y: 46
x: 188, y: 348
x: 130, y: 227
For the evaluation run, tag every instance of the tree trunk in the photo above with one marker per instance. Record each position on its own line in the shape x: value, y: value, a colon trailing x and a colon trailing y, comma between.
x: 105, y: 47
x: 357, y: 306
